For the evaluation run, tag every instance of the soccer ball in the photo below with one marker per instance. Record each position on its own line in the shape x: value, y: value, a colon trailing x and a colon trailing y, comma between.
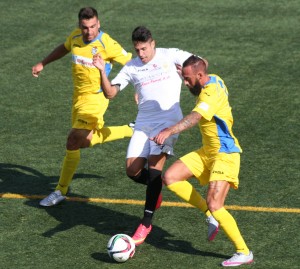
x: 121, y: 247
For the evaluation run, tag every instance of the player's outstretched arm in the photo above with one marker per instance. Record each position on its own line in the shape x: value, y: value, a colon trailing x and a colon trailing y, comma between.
x: 187, y: 122
x: 59, y: 52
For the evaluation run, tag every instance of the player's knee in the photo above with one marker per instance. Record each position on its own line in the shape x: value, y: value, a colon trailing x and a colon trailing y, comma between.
x: 132, y: 172
x: 138, y: 178
x: 77, y: 142
x: 169, y: 178
x: 71, y: 143
x: 213, y: 204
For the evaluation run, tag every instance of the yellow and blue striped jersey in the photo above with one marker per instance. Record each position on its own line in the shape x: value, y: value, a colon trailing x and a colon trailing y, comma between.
x: 216, y: 121
x: 86, y: 77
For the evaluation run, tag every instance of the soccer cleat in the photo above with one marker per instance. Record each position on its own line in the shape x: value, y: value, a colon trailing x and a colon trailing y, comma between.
x: 52, y: 199
x: 131, y: 125
x: 238, y: 259
x: 213, y: 228
x: 159, y: 201
x: 141, y: 234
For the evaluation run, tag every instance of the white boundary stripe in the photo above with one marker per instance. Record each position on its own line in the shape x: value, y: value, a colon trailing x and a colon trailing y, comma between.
x: 139, y: 202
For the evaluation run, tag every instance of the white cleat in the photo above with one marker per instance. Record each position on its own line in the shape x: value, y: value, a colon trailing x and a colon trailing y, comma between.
x: 238, y: 259
x: 213, y: 228
x: 52, y: 199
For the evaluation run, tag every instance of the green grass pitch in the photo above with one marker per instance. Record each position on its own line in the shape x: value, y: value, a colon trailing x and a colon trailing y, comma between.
x: 252, y: 45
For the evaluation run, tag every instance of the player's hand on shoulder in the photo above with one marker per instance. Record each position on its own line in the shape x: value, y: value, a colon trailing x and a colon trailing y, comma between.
x: 179, y: 69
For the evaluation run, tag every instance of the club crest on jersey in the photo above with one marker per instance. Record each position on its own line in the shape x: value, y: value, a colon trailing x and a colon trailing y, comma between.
x: 165, y: 66
x: 94, y: 50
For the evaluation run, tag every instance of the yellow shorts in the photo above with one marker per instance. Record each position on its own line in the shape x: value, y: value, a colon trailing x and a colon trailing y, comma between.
x: 222, y: 166
x: 88, y: 111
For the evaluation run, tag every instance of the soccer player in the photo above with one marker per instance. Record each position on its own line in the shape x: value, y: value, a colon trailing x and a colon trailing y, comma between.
x: 153, y: 73
x: 217, y: 162
x: 89, y: 102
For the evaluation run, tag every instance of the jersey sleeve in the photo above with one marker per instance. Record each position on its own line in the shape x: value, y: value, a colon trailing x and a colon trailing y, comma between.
x: 178, y: 55
x: 68, y: 42
x: 115, y: 52
x: 122, y: 79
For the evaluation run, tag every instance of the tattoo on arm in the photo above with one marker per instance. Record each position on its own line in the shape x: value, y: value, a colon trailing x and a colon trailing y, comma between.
x: 187, y: 122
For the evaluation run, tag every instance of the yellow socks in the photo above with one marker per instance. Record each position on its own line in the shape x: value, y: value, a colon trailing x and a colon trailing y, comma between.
x: 187, y: 192
x: 107, y: 134
x: 69, y: 167
x: 228, y: 224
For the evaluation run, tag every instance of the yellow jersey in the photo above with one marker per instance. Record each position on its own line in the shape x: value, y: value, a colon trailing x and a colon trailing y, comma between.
x: 216, y: 121
x: 86, y: 76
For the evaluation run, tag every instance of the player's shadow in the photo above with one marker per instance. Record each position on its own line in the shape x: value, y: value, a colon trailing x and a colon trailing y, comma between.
x: 69, y: 214
x: 22, y: 179
x: 106, y: 221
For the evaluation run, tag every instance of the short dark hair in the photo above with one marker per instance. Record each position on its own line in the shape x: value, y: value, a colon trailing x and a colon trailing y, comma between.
x: 141, y: 34
x: 196, y: 62
x: 87, y: 13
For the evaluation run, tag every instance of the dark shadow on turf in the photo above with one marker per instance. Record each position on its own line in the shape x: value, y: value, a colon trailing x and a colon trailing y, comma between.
x: 110, y: 222
x: 25, y: 180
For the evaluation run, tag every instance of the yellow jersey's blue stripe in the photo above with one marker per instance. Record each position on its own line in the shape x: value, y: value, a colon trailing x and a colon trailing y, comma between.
x: 227, y: 142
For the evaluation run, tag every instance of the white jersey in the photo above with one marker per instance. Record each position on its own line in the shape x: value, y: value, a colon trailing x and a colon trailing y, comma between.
x: 157, y: 84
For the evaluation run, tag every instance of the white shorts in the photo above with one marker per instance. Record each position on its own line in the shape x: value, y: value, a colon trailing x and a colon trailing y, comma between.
x: 141, y: 146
